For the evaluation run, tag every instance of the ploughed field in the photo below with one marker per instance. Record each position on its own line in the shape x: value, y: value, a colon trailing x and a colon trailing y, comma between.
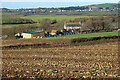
x: 60, y: 60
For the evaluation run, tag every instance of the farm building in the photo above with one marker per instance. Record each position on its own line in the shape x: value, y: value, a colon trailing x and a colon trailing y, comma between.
x: 33, y: 34
x: 72, y: 25
x: 53, y: 32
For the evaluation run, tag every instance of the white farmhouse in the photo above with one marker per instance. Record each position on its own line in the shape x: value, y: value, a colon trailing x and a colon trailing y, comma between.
x: 72, y: 25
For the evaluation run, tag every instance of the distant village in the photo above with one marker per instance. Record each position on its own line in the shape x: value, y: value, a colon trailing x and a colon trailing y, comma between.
x: 88, y: 8
x: 60, y: 10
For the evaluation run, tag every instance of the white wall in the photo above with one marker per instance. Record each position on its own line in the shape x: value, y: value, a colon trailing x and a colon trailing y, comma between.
x: 26, y: 35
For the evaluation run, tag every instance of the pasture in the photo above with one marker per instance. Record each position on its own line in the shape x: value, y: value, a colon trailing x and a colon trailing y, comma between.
x: 18, y: 25
x: 86, y: 35
x: 11, y: 25
x: 53, y: 17
x: 38, y: 18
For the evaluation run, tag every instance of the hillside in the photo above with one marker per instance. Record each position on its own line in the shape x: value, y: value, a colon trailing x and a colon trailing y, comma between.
x: 98, y: 6
x: 110, y: 5
x: 108, y: 8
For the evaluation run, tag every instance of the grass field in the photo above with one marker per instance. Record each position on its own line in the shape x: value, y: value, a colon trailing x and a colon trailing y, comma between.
x: 11, y: 25
x: 38, y: 18
x: 58, y: 18
x: 17, y: 25
x: 87, y: 35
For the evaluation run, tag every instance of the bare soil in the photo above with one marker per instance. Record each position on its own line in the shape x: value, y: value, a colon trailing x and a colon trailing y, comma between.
x: 62, y: 60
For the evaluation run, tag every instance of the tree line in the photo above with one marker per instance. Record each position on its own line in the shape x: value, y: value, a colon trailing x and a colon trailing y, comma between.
x: 98, y: 23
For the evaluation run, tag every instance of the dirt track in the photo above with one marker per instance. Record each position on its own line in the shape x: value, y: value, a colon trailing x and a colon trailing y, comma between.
x: 83, y: 61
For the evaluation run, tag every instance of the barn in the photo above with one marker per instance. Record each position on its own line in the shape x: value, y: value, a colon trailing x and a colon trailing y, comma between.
x: 72, y: 25
x: 33, y: 34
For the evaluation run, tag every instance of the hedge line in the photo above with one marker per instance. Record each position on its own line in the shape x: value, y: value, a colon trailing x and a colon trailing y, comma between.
x: 17, y: 21
x: 78, y: 40
x: 27, y: 46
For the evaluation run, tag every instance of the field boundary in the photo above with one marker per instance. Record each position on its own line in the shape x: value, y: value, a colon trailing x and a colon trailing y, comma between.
x: 79, y: 40
x: 73, y: 42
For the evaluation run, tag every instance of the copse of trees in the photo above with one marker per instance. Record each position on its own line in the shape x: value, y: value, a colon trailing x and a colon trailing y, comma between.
x: 19, y: 29
x: 45, y: 24
x: 98, y: 23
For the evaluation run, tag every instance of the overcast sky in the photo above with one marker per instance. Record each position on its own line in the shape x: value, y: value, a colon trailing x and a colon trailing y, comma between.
x: 103, y: 1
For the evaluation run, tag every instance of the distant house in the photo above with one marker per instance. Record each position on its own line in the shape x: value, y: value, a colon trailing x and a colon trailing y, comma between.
x: 33, y: 34
x: 53, y: 32
x: 72, y: 25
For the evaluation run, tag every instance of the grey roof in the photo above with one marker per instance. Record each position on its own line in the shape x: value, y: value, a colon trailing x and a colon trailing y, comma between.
x: 73, y: 25
x: 32, y: 32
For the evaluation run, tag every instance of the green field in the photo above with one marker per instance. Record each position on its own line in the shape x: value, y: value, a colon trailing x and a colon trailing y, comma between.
x: 17, y: 25
x: 51, y: 17
x: 40, y: 17
x: 87, y: 35
x: 110, y: 5
x: 10, y: 25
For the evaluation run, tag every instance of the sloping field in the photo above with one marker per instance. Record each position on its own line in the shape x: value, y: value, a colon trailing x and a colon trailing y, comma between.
x: 53, y: 17
x: 115, y: 33
x: 99, y: 60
